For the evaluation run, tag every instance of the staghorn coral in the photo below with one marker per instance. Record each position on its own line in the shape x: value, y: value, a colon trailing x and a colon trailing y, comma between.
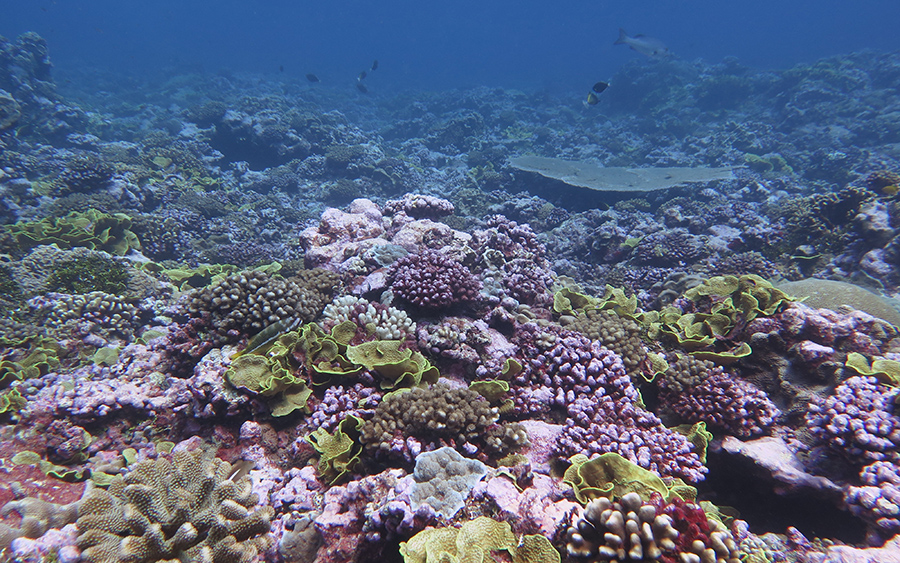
x: 633, y: 530
x: 192, y: 509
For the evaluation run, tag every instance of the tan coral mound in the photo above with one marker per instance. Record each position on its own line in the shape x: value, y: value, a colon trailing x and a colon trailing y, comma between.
x: 193, y: 509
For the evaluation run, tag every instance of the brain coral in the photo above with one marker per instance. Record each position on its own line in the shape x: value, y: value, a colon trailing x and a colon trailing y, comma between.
x: 193, y: 509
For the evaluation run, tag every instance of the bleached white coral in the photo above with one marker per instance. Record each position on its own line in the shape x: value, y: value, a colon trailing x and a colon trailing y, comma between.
x: 387, y: 323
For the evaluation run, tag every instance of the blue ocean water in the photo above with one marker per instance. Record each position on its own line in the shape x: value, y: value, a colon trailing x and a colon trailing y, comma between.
x: 443, y: 44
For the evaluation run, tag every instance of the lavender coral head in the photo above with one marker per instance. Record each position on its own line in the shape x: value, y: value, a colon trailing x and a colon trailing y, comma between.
x: 433, y: 280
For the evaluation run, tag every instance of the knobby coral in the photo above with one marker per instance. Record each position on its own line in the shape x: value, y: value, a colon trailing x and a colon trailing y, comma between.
x: 633, y: 530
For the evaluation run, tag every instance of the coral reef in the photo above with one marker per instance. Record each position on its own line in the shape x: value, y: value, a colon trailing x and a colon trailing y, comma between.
x: 415, y: 349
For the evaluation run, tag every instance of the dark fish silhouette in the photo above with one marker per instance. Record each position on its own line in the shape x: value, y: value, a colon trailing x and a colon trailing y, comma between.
x: 362, y: 88
x: 312, y: 77
x: 374, y: 65
x: 361, y: 76
x: 280, y: 68
x: 600, y: 87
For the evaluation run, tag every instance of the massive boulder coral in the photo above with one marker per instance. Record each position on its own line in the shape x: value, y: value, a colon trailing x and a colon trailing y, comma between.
x: 191, y: 509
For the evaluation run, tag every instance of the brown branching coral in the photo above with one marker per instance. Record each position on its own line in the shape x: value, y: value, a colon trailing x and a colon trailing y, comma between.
x: 619, y: 334
x: 193, y: 509
x: 247, y: 302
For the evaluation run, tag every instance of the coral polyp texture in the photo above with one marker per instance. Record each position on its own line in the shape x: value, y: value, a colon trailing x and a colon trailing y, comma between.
x: 389, y: 339
x: 189, y: 509
x: 431, y: 280
x: 633, y: 530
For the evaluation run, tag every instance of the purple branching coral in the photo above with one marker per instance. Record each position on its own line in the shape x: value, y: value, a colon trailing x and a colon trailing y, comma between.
x: 722, y: 401
x: 527, y: 283
x: 433, y: 280
x: 858, y: 421
x: 567, y: 371
x: 878, y: 500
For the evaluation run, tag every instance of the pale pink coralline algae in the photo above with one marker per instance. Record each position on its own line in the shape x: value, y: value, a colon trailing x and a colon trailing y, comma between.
x: 538, y: 507
x: 342, y: 234
x: 541, y: 438
x: 813, y: 353
x: 59, y: 542
x: 412, y: 235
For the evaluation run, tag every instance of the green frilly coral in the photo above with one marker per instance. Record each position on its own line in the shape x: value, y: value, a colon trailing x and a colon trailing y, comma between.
x: 473, y: 542
x: 92, y: 229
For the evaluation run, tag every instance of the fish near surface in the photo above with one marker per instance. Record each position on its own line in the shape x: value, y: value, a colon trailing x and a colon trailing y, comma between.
x: 650, y: 46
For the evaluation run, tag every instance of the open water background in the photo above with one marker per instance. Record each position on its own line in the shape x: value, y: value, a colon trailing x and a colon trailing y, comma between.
x: 559, y: 45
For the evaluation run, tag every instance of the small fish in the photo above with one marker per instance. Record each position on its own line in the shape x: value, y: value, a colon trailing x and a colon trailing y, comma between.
x: 891, y: 190
x: 268, y: 336
x: 600, y: 87
x: 592, y: 99
x: 362, y: 88
x: 280, y: 68
x: 374, y: 65
x: 312, y: 77
x: 650, y: 46
x: 361, y: 76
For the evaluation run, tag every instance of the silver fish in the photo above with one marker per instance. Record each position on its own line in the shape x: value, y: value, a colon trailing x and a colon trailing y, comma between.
x: 650, y: 46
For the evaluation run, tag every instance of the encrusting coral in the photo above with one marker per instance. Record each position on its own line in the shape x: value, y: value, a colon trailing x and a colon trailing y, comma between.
x: 192, y: 509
